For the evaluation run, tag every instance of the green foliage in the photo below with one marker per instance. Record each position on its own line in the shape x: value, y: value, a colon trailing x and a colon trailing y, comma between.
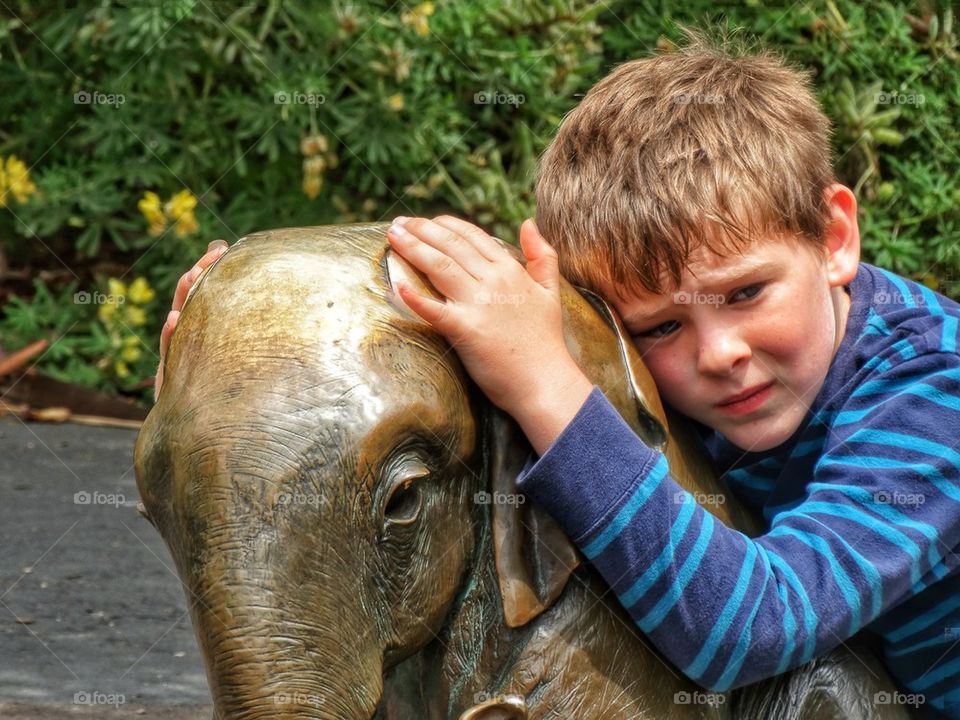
x: 82, y: 348
x: 424, y: 108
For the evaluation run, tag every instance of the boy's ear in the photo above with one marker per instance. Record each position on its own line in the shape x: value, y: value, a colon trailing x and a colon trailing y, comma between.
x: 842, y: 235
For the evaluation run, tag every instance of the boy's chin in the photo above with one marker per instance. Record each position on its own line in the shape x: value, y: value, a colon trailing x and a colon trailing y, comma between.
x: 755, y: 439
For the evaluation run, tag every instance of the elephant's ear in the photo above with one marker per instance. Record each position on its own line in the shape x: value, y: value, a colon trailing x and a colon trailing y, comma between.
x: 534, y: 557
x: 647, y: 418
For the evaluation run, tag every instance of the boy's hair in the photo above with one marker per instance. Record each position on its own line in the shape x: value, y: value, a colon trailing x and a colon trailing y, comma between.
x: 702, y: 146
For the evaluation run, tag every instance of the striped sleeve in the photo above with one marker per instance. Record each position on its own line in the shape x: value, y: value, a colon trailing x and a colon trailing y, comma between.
x: 880, y: 513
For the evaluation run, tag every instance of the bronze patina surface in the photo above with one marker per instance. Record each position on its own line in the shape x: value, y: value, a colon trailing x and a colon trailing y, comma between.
x: 340, y: 504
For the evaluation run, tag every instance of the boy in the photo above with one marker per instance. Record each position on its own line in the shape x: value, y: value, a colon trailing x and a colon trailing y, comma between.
x: 694, y: 192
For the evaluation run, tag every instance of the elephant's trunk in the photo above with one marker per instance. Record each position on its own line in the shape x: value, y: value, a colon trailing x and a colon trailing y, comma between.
x: 271, y: 667
x: 281, y: 649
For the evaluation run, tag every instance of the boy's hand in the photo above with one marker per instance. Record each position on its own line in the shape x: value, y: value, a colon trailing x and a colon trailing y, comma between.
x: 505, y: 321
x: 214, y: 251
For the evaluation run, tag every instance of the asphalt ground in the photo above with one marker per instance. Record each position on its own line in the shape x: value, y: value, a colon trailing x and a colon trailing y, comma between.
x: 93, y: 620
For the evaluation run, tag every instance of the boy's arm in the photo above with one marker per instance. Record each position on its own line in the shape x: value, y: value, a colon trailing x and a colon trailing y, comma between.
x: 729, y: 610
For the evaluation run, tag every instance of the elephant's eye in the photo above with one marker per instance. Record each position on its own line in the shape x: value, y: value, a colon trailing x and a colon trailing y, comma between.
x: 405, y: 498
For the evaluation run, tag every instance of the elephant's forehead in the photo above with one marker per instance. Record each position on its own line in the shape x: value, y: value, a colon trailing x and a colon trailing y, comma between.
x: 291, y: 299
x: 299, y: 340
x: 311, y: 310
x: 346, y: 415
x: 298, y: 284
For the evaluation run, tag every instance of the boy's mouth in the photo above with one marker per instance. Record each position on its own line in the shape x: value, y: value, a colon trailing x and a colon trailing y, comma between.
x: 747, y: 400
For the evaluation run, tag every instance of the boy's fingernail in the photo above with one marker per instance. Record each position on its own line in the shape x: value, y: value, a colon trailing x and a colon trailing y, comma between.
x: 400, y: 220
x: 398, y: 230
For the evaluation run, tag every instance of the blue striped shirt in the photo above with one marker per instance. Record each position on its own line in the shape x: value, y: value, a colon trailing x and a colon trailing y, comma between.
x: 861, y: 508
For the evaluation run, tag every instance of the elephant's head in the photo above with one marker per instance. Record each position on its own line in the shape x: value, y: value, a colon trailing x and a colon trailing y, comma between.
x: 313, y: 464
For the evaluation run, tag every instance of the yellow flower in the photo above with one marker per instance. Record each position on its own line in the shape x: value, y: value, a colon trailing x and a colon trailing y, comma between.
x: 136, y: 317
x: 116, y: 296
x: 418, y: 18
x: 395, y: 102
x: 152, y: 209
x: 314, y: 165
x: 140, y: 292
x: 931, y: 281
x: 186, y: 224
x: 15, y: 180
x: 312, y: 185
x: 180, y: 204
x: 18, y: 179
x: 130, y: 353
x: 106, y: 312
x: 121, y: 311
x: 313, y: 144
x: 180, y: 208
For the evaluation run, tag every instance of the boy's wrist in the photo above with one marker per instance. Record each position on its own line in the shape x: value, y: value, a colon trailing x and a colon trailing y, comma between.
x: 554, y: 400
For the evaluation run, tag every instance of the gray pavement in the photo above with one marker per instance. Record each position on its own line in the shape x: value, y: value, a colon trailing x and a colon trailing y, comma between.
x: 93, y: 621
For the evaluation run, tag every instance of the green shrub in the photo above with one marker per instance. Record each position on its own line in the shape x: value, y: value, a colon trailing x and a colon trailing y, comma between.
x: 288, y: 113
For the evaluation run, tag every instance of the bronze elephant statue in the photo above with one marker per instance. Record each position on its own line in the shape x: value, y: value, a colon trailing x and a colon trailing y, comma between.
x: 338, y: 499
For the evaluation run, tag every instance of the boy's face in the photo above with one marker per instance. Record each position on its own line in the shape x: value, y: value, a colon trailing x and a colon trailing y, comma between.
x: 768, y: 322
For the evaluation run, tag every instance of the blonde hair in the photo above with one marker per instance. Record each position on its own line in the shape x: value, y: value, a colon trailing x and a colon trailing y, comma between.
x: 702, y: 146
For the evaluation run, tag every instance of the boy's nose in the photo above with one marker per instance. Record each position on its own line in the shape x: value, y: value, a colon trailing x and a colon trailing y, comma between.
x: 721, y: 352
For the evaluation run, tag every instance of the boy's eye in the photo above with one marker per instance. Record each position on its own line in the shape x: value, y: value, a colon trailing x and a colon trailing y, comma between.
x: 751, y: 291
x: 661, y: 330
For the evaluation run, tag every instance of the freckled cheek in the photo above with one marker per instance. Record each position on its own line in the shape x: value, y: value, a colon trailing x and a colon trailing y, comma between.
x: 673, y: 372
x: 790, y: 340
x: 775, y: 343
